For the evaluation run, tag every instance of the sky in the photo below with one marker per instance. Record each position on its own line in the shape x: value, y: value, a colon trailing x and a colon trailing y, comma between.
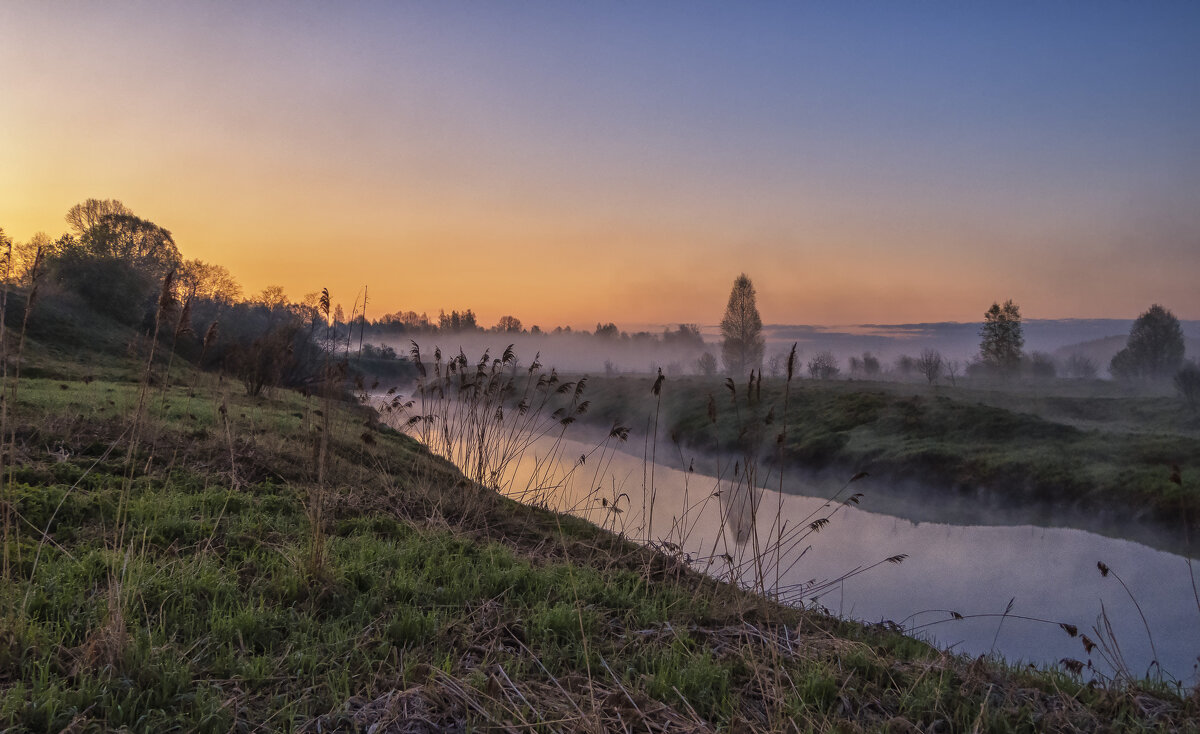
x: 571, y: 162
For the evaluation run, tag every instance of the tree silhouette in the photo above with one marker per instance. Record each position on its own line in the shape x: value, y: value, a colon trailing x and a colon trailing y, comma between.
x: 1001, y: 337
x: 930, y: 364
x: 84, y: 216
x: 117, y: 260
x: 823, y: 366
x: 274, y: 298
x: 607, y: 331
x: 1187, y: 382
x: 741, y: 329
x: 509, y: 324
x: 1154, y: 350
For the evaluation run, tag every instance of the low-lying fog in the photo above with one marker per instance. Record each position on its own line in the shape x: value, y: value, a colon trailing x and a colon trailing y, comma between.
x: 643, y: 348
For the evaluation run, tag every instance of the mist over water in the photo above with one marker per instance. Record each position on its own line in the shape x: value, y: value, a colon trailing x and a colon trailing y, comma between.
x: 567, y: 353
x: 639, y: 349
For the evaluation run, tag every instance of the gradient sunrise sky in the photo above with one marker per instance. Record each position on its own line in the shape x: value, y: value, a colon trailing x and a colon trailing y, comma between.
x: 571, y: 162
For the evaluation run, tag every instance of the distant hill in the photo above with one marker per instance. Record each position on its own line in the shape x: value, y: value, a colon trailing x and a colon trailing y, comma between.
x: 1097, y: 338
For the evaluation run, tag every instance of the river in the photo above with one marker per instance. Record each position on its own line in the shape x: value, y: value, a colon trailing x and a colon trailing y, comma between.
x: 1014, y: 585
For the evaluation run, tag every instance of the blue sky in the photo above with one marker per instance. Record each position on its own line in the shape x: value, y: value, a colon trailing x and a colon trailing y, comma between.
x: 862, y: 162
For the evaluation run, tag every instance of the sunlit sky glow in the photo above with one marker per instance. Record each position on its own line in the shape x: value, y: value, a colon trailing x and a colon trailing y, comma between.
x: 570, y: 163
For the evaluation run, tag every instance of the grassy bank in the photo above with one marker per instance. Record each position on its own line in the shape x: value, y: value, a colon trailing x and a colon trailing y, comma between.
x: 212, y: 562
x: 1109, y: 452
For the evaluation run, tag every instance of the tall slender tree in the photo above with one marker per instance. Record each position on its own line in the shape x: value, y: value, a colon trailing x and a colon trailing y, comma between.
x: 1001, y: 338
x: 743, y: 345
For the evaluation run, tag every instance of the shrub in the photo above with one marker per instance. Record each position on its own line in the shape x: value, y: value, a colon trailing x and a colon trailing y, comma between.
x: 1187, y: 382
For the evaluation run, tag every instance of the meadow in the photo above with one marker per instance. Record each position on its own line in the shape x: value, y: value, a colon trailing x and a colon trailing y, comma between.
x: 181, y: 555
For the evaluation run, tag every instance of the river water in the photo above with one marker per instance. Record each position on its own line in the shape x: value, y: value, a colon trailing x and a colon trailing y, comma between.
x: 1012, y: 584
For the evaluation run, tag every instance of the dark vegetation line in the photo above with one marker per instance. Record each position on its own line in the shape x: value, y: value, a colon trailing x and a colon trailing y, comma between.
x: 1081, y: 454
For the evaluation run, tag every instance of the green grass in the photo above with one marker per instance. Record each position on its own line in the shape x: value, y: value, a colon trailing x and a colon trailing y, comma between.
x: 470, y: 609
x: 1110, y: 452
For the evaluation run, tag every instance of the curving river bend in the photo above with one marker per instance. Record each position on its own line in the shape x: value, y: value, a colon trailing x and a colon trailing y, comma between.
x: 1012, y: 584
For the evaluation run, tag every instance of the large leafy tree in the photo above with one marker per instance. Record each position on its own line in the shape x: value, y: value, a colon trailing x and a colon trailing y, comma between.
x: 741, y: 329
x: 1001, y: 337
x: 1154, y: 350
x: 85, y: 215
x: 116, y: 261
x: 141, y: 244
x: 106, y: 228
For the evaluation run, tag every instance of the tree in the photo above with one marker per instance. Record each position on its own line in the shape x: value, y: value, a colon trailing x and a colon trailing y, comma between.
x: 199, y: 279
x: 1042, y: 365
x: 262, y: 364
x: 117, y: 261
x: 686, y: 336
x: 1187, y: 382
x: 509, y: 324
x: 405, y: 321
x: 130, y: 239
x: 741, y: 329
x: 110, y: 286
x: 455, y: 321
x: 6, y: 256
x: 870, y: 364
x: 607, y: 331
x: 1154, y: 350
x: 706, y: 364
x: 1002, y: 338
x: 952, y: 367
x: 1080, y: 367
x: 823, y: 366
x: 930, y: 365
x: 866, y: 365
x: 856, y: 366
x: 25, y: 254
x: 272, y: 297
x: 83, y: 217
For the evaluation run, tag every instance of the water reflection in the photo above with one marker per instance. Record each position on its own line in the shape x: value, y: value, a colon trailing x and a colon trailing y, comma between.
x: 767, y: 539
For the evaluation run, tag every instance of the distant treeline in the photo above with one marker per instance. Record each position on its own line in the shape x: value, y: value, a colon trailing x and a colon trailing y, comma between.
x: 115, y: 265
x: 410, y: 322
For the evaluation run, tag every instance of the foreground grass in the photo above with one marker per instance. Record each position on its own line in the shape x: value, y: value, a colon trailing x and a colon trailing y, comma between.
x: 412, y: 600
x: 1099, y: 453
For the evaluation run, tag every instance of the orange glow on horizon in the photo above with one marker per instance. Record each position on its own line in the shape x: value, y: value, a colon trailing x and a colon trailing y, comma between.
x: 460, y: 171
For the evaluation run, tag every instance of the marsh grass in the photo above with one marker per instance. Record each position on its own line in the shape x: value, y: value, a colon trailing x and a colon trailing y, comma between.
x: 442, y: 603
x: 489, y: 419
x: 463, y: 416
x: 8, y: 391
x: 749, y: 550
